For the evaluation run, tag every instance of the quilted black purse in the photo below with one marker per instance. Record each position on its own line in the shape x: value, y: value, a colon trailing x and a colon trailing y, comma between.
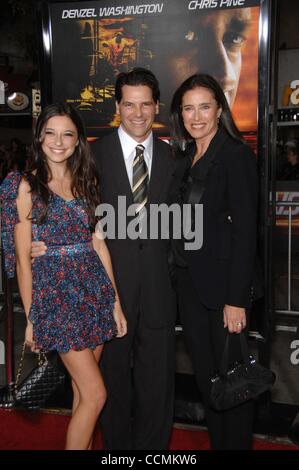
x: 39, y: 385
x: 241, y: 382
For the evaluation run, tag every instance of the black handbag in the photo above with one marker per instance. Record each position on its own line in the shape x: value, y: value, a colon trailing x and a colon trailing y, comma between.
x: 39, y: 385
x: 243, y: 381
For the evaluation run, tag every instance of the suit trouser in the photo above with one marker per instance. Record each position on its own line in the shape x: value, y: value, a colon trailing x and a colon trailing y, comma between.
x: 205, y: 338
x: 138, y: 373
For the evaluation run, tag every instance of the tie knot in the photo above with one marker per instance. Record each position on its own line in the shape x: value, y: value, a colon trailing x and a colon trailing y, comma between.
x: 139, y: 150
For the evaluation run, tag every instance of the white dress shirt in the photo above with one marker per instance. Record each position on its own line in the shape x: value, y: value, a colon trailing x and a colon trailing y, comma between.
x: 128, y: 145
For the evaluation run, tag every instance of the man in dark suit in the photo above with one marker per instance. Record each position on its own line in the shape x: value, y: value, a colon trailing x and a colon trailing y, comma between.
x: 139, y: 368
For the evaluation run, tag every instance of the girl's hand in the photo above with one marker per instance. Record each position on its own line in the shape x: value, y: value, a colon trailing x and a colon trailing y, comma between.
x: 120, y: 320
x: 29, y: 337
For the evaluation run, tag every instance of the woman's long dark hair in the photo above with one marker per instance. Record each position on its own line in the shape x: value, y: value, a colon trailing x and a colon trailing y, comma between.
x: 181, y: 139
x: 84, y: 177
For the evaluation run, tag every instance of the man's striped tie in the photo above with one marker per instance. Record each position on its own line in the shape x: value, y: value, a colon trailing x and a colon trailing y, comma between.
x: 140, y: 179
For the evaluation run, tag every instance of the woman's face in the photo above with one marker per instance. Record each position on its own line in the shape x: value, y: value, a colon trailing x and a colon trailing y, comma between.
x: 59, y: 139
x: 200, y: 113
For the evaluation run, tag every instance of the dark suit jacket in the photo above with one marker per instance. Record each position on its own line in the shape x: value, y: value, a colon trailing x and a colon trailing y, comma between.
x: 140, y: 266
x: 222, y: 270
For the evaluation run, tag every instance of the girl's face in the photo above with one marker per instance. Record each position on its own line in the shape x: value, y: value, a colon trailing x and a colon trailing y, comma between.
x: 59, y: 139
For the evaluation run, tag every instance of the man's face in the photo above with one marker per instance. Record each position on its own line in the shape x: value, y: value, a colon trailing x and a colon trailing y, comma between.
x: 137, y: 111
x: 292, y: 157
x: 222, y: 35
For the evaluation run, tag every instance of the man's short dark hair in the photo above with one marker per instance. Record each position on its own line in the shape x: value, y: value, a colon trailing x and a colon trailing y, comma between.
x: 137, y: 76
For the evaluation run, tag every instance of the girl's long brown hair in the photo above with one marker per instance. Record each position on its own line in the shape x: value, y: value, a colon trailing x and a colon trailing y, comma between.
x: 81, y: 165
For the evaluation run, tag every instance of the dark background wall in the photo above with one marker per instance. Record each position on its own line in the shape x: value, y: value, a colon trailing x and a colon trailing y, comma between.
x: 288, y: 24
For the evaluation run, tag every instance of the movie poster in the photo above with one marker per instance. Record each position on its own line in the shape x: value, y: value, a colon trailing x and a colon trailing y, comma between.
x: 93, y: 41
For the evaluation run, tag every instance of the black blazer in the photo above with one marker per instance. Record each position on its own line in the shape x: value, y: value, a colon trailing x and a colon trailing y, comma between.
x: 222, y: 270
x: 140, y: 266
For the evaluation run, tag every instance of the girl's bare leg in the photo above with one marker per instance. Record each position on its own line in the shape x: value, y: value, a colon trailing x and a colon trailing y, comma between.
x: 97, y: 354
x: 90, y: 396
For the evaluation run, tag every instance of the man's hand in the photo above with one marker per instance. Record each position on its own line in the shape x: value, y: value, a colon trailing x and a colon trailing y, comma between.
x: 38, y: 249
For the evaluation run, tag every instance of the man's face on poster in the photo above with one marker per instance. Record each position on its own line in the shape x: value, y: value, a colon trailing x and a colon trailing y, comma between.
x: 212, y: 44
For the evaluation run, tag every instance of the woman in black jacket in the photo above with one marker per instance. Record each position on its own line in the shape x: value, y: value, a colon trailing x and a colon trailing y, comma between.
x: 217, y: 170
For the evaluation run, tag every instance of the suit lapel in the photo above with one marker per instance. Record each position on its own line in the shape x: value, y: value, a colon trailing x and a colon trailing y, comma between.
x: 119, y: 170
x: 159, y: 173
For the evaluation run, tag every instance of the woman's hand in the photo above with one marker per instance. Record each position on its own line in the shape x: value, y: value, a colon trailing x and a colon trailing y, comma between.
x: 120, y: 320
x: 29, y: 337
x: 234, y: 318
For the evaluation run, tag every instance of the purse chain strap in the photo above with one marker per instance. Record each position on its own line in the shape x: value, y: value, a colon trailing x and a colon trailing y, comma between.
x: 41, y: 359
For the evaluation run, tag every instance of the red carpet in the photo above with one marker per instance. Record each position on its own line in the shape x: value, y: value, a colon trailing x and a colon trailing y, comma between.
x: 21, y: 430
